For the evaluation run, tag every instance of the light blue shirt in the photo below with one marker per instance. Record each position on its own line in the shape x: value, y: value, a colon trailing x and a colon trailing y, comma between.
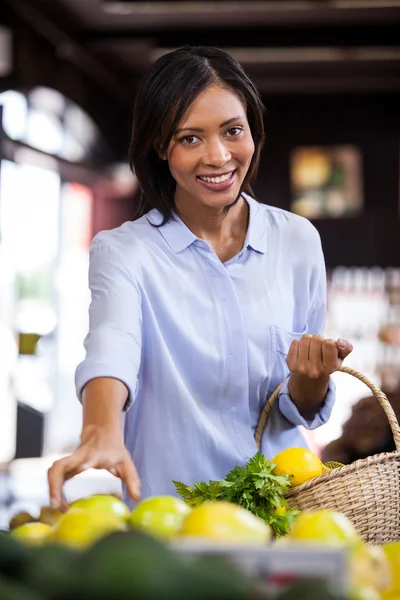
x: 201, y: 344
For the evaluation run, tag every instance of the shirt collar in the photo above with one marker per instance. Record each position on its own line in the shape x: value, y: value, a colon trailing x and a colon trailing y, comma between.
x: 176, y: 234
x: 256, y: 231
x: 179, y: 237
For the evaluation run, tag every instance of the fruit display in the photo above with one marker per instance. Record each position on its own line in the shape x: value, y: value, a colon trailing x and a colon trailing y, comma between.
x: 171, y: 548
x: 100, y: 549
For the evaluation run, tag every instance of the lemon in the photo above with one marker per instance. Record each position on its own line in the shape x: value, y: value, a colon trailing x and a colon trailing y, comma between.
x: 301, y: 464
x: 161, y: 516
x: 80, y: 528
x: 225, y: 522
x: 364, y: 593
x: 369, y: 567
x: 32, y: 533
x: 392, y: 552
x: 105, y: 503
x: 332, y: 464
x: 325, y: 527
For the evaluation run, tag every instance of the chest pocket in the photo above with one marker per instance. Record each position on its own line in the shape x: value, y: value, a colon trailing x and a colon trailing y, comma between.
x: 281, y: 341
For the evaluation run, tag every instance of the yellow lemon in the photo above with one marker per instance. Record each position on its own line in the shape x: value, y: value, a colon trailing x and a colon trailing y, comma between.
x: 364, y: 593
x: 325, y: 527
x: 105, y: 503
x: 32, y: 533
x: 369, y: 567
x: 80, y: 528
x: 301, y: 464
x: 225, y: 522
x: 161, y: 516
x: 392, y: 552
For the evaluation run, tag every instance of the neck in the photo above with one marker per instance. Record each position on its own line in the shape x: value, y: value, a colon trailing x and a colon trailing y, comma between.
x: 213, y: 225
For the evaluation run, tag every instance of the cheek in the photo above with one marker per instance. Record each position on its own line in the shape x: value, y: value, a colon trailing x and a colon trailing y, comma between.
x: 247, y: 149
x: 181, y: 163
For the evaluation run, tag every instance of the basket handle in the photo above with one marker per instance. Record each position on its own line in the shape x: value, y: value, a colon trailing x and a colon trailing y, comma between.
x: 379, y: 395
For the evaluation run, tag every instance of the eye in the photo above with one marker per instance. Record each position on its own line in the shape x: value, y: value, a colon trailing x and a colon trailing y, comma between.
x: 234, y: 131
x: 189, y: 140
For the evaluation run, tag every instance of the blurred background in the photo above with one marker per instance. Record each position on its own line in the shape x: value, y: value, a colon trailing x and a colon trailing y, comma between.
x: 329, y: 74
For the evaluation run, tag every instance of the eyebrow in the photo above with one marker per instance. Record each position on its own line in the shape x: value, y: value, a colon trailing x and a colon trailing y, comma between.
x: 200, y: 130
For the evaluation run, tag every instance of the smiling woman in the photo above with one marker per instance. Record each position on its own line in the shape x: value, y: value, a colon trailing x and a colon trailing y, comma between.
x: 213, y: 108
x: 205, y: 302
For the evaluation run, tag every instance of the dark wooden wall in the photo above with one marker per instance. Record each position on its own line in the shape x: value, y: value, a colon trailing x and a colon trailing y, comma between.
x: 372, y: 123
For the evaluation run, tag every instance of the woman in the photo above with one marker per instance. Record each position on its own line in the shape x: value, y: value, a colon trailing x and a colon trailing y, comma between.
x: 198, y: 303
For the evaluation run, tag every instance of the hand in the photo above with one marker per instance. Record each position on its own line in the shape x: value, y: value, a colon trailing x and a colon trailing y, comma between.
x: 314, y: 356
x: 97, y: 450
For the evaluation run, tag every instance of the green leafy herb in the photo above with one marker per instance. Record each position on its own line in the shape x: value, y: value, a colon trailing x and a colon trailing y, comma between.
x: 254, y: 486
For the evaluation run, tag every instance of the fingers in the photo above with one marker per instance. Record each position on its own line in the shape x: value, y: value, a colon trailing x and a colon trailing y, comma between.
x: 316, y: 366
x: 304, y: 353
x: 291, y: 359
x: 59, y: 472
x: 119, y: 464
x: 330, y: 360
x: 127, y: 472
x: 314, y: 356
x: 344, y: 348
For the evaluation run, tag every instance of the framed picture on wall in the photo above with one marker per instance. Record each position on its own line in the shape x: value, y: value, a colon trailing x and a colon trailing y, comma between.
x: 326, y: 181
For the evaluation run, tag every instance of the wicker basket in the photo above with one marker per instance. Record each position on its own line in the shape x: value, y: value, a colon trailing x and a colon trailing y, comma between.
x: 367, y: 491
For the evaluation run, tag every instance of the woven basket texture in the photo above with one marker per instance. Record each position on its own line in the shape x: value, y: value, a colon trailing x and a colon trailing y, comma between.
x: 367, y: 491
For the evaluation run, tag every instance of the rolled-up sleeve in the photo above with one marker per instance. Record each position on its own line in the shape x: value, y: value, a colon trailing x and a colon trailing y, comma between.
x: 113, y: 343
x: 315, y: 325
x: 290, y: 411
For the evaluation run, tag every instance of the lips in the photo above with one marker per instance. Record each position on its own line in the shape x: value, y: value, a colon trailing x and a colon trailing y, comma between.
x: 219, y: 186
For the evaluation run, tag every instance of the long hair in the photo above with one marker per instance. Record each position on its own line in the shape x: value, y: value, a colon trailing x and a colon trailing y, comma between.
x: 166, y: 91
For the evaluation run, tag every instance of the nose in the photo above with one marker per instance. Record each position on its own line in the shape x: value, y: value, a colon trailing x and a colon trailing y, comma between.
x: 216, y: 153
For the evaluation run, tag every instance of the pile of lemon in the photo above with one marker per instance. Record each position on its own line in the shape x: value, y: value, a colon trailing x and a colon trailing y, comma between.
x: 165, y: 517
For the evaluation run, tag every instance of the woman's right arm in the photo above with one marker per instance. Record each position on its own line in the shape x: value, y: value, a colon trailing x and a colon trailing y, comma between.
x: 102, y: 445
x: 106, y: 380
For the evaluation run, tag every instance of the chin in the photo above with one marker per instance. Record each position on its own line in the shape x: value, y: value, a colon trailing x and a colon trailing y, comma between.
x: 221, y: 200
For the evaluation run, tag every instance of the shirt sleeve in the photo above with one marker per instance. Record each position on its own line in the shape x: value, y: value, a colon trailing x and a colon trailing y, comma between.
x: 315, y: 325
x: 113, y: 343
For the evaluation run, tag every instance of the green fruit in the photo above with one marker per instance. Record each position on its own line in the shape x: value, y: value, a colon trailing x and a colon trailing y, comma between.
x: 161, y: 516
x: 105, y: 503
x: 129, y: 565
x: 135, y: 565
x: 13, y: 556
x: 12, y: 590
x: 52, y: 569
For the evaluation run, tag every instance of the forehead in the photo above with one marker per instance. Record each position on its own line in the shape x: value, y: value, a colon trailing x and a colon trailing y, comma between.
x: 214, y: 102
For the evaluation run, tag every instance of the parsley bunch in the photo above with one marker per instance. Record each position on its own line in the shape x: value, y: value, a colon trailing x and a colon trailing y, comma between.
x: 254, y: 486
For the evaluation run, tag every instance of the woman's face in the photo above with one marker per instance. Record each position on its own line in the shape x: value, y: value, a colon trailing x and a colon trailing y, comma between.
x: 211, y: 150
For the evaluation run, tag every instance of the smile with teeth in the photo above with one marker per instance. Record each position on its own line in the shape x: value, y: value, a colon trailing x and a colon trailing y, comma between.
x: 219, y: 179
